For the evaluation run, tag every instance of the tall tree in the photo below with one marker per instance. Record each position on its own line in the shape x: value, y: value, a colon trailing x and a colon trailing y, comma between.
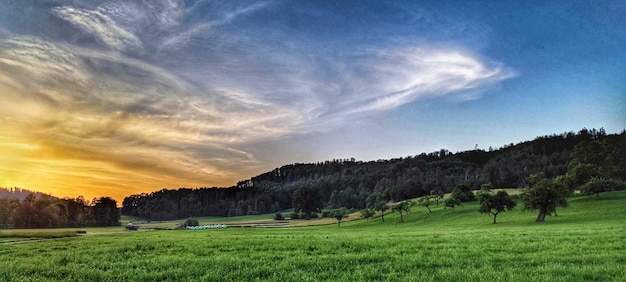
x: 307, y: 200
x: 106, y: 212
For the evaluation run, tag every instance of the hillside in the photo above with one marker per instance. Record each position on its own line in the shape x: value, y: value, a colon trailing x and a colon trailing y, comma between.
x: 356, y: 184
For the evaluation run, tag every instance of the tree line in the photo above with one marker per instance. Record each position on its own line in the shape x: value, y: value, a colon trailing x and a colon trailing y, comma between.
x: 37, y: 210
x: 347, y: 183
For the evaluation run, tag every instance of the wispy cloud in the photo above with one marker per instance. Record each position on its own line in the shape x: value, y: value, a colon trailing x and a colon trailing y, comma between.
x: 100, y: 26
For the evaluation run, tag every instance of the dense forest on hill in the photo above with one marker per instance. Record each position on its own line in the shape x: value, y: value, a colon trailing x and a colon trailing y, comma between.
x: 356, y: 184
x: 21, y: 208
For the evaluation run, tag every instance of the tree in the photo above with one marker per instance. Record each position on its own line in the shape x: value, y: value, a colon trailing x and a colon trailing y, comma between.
x: 544, y: 195
x: 494, y: 204
x: 382, y: 207
x: 436, y: 195
x: 452, y: 202
x: 307, y: 199
x: 8, y: 208
x: 463, y: 193
x: 402, y: 207
x: 339, y: 214
x: 425, y: 202
x: 106, y: 212
x: 597, y: 185
x: 367, y: 213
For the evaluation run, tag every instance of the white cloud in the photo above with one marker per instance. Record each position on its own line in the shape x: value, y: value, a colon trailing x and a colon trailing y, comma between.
x: 99, y: 25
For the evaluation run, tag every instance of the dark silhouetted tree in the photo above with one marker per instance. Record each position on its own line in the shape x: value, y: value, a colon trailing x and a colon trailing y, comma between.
x: 307, y: 200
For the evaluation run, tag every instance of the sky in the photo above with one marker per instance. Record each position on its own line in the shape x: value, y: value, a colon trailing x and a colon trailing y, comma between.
x: 120, y: 97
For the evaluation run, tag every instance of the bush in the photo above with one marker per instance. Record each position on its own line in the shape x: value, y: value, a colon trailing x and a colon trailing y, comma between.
x: 279, y: 216
x: 294, y: 215
x: 326, y: 212
x: 315, y: 215
x: 191, y: 222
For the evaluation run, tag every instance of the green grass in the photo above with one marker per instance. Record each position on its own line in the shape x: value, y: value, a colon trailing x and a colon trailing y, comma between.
x: 587, y: 241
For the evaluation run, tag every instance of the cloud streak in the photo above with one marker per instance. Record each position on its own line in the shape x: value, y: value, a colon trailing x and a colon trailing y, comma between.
x: 100, y: 26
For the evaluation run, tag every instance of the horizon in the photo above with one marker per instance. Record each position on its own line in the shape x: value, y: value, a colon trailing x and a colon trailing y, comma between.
x: 119, y: 201
x: 113, y: 98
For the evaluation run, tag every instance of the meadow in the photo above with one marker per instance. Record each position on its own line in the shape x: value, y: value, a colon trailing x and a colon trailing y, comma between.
x: 586, y: 241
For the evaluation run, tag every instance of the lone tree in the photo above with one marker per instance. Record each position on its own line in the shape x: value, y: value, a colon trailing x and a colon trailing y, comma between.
x: 494, y: 204
x: 339, y: 214
x: 597, y: 185
x: 544, y: 195
x: 307, y: 199
x: 402, y: 207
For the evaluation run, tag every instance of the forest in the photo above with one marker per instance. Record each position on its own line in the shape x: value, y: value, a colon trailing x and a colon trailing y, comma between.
x: 576, y: 158
x: 20, y: 208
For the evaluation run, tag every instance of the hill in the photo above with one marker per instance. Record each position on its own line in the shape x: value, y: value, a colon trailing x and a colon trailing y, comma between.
x: 356, y: 184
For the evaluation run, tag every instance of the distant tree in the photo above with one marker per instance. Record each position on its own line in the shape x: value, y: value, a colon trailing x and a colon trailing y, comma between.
x: 463, y: 193
x: 402, y: 207
x: 436, y: 195
x: 597, y: 185
x: 382, y: 207
x: 367, y: 213
x: 544, y: 195
x: 452, y: 202
x: 307, y: 199
x: 339, y: 214
x: 425, y: 202
x: 494, y: 204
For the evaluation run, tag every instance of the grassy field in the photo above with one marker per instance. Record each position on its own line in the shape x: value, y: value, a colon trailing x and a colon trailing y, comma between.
x: 587, y: 241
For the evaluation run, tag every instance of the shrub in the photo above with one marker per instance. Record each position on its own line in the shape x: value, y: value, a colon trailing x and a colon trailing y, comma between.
x: 315, y: 215
x: 326, y: 212
x: 294, y: 215
x: 279, y: 216
x: 191, y: 222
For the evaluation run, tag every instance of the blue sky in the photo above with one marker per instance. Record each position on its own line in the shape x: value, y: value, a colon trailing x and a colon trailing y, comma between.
x: 117, y: 97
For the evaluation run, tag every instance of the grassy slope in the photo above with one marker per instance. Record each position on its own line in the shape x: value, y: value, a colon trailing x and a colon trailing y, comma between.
x: 585, y: 242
